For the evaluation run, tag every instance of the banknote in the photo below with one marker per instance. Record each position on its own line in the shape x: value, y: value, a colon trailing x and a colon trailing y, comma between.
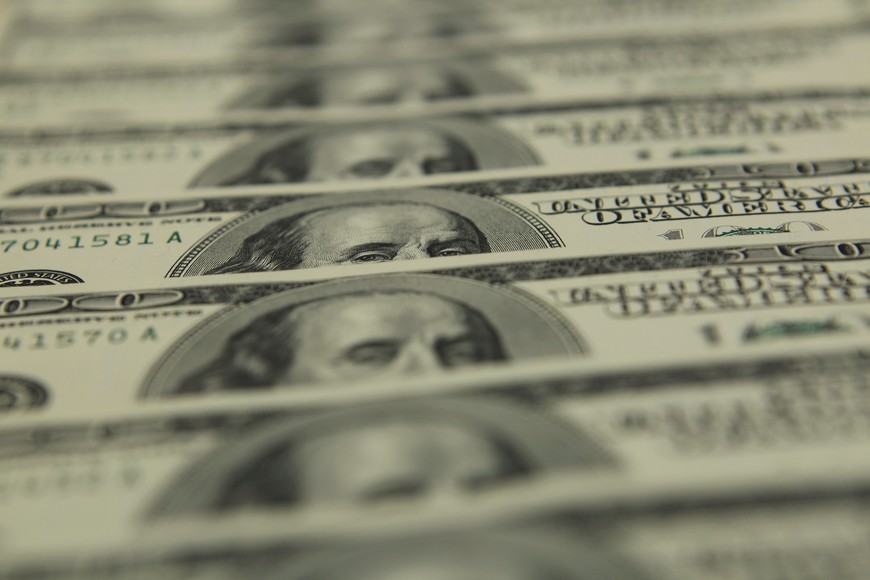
x: 531, y: 141
x: 681, y: 208
x: 604, y: 70
x: 600, y: 436
x: 108, y: 13
x: 386, y: 32
x: 116, y: 346
x: 728, y: 537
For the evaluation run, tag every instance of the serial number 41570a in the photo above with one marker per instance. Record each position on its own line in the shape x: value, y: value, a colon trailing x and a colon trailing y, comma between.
x: 70, y: 338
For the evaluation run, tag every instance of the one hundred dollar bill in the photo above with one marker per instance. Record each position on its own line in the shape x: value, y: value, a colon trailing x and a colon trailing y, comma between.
x: 727, y: 537
x: 602, y: 437
x: 118, y: 345
x: 700, y: 207
x: 107, y: 13
x: 215, y: 38
x: 598, y: 71
x: 724, y: 538
x: 533, y: 141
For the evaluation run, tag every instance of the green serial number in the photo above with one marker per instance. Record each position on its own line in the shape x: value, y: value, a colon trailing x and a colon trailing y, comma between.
x: 82, y: 242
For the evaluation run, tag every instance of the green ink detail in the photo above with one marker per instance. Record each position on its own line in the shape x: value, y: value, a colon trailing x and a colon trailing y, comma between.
x: 750, y: 232
x: 703, y: 151
x: 794, y: 328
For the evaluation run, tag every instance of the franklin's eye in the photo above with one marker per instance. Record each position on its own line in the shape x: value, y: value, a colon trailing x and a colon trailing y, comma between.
x: 370, y: 257
x: 454, y: 251
x: 372, y: 354
x: 460, y: 352
x: 372, y: 168
x: 443, y: 165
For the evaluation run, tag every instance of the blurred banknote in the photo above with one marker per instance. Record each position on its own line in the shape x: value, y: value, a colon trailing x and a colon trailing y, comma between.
x: 111, y: 344
x: 774, y: 535
x: 145, y: 38
x: 527, y: 142
x: 607, y: 70
x: 506, y: 439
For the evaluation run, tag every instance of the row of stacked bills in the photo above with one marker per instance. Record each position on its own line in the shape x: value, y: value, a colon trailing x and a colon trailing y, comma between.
x: 381, y: 289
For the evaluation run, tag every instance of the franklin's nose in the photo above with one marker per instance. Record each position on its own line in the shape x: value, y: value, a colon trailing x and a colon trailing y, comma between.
x: 411, y: 253
x: 417, y: 357
x: 407, y: 168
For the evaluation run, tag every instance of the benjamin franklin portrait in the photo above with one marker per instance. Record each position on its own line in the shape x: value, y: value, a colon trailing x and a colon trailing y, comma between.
x: 382, y: 452
x: 368, y: 151
x: 379, y: 85
x: 366, y: 228
x: 359, y: 329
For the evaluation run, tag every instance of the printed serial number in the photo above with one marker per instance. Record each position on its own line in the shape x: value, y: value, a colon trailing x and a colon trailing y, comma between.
x: 82, y: 242
x: 69, y: 338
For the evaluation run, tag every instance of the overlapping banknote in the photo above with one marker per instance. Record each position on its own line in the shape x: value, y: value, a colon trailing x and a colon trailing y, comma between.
x: 321, y: 289
x: 818, y: 534
x: 599, y: 71
x: 809, y: 206
x: 601, y: 434
x: 359, y: 154
x: 150, y: 34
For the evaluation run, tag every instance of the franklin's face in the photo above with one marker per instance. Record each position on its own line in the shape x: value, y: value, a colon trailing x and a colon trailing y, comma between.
x: 398, y: 459
x: 387, y: 232
x: 375, y: 87
x: 358, y: 337
x: 382, y: 154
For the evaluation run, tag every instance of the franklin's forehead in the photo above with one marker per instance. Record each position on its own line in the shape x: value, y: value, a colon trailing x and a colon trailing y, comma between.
x: 451, y: 561
x: 344, y: 319
x: 387, y: 302
x: 377, y: 213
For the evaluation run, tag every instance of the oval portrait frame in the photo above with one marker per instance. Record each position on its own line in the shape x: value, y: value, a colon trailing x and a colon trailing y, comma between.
x: 493, y: 147
x: 545, y: 333
x: 507, y: 226
x: 481, y: 79
x: 547, y: 442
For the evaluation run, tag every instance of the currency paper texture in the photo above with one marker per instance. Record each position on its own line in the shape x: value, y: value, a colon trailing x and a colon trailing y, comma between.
x: 468, y: 289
